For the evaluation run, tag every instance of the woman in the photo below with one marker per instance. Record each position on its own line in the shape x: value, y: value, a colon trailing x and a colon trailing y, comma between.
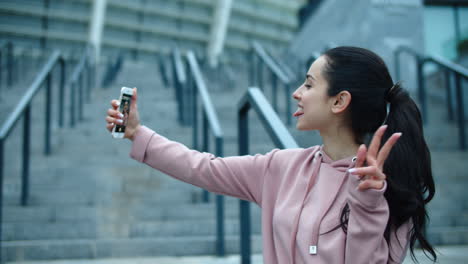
x: 340, y: 202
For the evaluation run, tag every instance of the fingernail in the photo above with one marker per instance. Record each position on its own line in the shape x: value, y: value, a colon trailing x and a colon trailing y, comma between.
x: 120, y: 115
x: 399, y: 134
x: 120, y: 121
x: 352, y: 171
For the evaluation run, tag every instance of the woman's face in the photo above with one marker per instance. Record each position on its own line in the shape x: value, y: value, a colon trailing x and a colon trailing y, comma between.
x: 314, y: 104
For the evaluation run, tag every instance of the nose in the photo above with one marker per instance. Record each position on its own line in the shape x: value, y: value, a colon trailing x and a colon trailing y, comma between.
x: 296, y: 95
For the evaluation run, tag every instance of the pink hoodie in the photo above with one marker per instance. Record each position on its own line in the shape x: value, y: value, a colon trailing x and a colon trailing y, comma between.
x: 301, y: 193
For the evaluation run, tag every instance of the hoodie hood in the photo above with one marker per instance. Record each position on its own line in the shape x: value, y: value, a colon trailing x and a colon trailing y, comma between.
x: 341, y: 165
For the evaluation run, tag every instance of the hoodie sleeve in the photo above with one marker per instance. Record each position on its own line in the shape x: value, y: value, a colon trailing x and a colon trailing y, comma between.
x: 240, y: 176
x: 368, y: 218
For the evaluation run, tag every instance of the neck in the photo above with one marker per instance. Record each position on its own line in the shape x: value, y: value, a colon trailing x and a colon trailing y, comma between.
x: 339, y: 143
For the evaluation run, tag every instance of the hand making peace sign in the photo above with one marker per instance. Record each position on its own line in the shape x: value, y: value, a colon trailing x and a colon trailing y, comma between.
x: 369, y: 163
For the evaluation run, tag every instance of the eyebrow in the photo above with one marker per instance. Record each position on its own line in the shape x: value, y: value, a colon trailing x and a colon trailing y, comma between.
x: 310, y: 76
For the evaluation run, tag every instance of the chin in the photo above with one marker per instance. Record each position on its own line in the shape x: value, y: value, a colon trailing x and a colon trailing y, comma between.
x: 300, y: 127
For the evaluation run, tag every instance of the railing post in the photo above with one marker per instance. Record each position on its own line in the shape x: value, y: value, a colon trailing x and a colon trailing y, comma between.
x: 2, y: 168
x: 72, y: 103
x: 220, y: 207
x: 80, y: 96
x: 10, y: 64
x: 193, y: 98
x: 206, y: 145
x: 260, y: 74
x: 421, y: 88
x: 461, y: 111
x: 244, y: 206
x: 180, y: 104
x: 448, y: 89
x: 186, y: 94
x: 48, y: 113
x: 176, y: 88
x: 26, y: 156
x: 2, y: 70
x: 274, y: 90
x: 88, y: 79
x: 62, y: 91
x: 252, y: 66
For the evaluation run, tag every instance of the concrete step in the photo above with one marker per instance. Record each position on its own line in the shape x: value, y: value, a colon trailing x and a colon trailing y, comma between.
x: 40, y: 214
x: 138, y: 211
x: 447, y: 255
x: 106, y: 248
x: 447, y: 218
x: 448, y: 235
x: 60, y: 230
x: 192, y: 227
x: 80, y: 197
x: 196, y: 211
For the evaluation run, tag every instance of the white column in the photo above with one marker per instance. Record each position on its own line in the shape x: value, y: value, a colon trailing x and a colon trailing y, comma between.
x: 96, y: 25
x: 219, y: 28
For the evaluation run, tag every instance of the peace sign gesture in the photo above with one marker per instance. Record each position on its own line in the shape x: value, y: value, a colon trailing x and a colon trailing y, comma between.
x: 369, y: 163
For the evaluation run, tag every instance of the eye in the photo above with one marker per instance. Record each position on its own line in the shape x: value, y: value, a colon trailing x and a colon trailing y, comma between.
x: 308, y: 85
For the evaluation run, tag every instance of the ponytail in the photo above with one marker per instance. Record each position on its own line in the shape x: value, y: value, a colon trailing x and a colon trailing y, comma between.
x: 410, y: 185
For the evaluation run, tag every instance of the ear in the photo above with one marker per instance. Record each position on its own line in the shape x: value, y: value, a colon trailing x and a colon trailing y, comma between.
x: 341, y: 102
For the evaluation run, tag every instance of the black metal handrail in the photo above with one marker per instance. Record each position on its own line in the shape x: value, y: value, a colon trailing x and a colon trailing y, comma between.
x: 180, y: 80
x: 23, y: 109
x: 160, y: 60
x: 450, y: 68
x: 211, y: 123
x: 6, y: 49
x: 284, y: 67
x: 417, y: 59
x: 256, y: 77
x: 254, y: 99
x: 112, y: 70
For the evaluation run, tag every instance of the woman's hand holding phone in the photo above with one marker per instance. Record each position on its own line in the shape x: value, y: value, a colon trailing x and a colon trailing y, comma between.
x: 115, y: 117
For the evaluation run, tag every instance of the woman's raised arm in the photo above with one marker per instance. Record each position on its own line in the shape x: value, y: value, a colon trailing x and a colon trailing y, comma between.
x: 240, y: 176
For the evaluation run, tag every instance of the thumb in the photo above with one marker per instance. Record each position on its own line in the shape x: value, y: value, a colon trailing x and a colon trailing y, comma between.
x: 134, y: 99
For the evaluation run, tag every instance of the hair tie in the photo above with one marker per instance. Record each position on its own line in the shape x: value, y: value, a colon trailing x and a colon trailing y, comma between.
x: 391, y: 92
x: 388, y: 112
x: 388, y: 98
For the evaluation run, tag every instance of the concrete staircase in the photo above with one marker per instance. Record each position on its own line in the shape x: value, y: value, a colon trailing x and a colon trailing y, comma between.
x: 449, y: 209
x: 140, y: 29
x: 90, y: 200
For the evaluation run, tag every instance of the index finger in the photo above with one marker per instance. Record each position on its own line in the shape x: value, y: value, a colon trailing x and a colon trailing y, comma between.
x: 375, y: 143
x: 115, y: 104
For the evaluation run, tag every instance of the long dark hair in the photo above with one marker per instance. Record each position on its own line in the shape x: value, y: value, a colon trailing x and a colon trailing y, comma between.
x: 410, y: 185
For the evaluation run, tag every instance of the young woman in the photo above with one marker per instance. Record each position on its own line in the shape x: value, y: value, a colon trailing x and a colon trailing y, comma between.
x: 341, y: 202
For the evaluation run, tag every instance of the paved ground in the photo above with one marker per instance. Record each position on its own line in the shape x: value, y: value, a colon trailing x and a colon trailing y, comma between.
x: 447, y: 255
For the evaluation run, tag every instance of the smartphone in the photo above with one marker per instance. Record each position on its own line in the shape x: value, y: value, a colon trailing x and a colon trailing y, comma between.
x: 125, y: 100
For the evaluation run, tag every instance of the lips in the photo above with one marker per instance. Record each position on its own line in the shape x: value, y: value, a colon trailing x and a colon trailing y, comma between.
x: 298, y: 112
